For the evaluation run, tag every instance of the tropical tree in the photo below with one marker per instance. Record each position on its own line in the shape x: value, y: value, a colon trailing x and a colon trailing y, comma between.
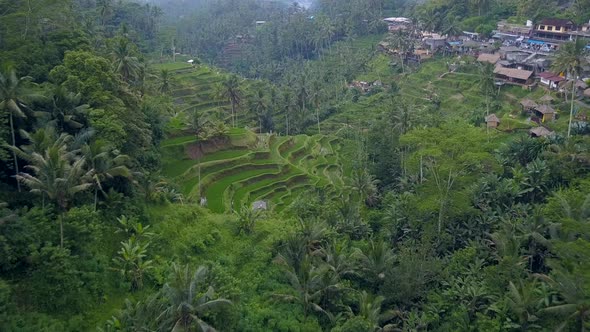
x: 486, y: 83
x: 184, y: 308
x: 104, y: 163
x: 570, y: 59
x: 308, y: 287
x: 523, y: 301
x: 375, y: 260
x: 247, y: 218
x: 230, y: 90
x: 164, y: 79
x: 67, y: 111
x: 370, y: 309
x: 14, y: 94
x: 402, y: 43
x: 58, y: 174
x: 131, y: 262
x: 364, y: 185
x: 125, y: 63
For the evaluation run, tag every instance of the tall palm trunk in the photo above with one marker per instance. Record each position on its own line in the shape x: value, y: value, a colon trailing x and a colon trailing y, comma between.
x: 318, y: 117
x: 233, y: 113
x: 95, y: 198
x: 569, y: 127
x: 13, y: 151
x: 61, y: 230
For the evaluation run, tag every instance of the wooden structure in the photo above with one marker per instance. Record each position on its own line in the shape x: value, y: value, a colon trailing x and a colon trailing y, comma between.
x: 528, y: 105
x: 540, y: 132
x: 545, y: 112
x: 489, y: 58
x: 550, y: 79
x: 546, y: 99
x: 492, y: 121
x: 515, y: 76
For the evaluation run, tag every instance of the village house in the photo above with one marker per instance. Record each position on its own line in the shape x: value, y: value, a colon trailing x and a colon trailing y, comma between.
x: 397, y: 23
x: 489, y: 58
x: 554, y: 29
x: 540, y: 132
x: 492, y: 121
x: 528, y: 105
x: 550, y: 80
x: 545, y: 113
x: 514, y: 76
x: 511, y: 31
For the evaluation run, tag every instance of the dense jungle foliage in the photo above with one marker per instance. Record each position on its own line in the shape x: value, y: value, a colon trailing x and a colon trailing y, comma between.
x: 391, y: 210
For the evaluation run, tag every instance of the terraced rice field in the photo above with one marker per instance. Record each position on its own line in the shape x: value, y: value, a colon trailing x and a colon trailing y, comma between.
x: 243, y: 167
x: 236, y: 175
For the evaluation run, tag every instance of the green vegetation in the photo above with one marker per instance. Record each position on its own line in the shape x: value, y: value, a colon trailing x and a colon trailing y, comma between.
x: 253, y: 189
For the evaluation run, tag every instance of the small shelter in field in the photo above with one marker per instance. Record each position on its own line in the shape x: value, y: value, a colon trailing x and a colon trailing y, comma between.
x: 528, y: 105
x: 259, y: 206
x: 547, y: 99
x: 492, y: 121
x: 540, y: 132
x: 545, y: 112
x: 587, y: 93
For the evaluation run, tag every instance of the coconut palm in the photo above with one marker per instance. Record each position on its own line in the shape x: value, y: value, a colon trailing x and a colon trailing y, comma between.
x: 370, y: 309
x: 164, y: 81
x: 58, y: 174
x: 486, y: 83
x: 374, y: 260
x: 230, y: 90
x: 401, y: 41
x: 124, y: 62
x: 364, y: 185
x: 523, y: 302
x: 14, y: 94
x: 184, y: 307
x: 308, y: 287
x: 575, y: 304
x: 104, y: 163
x: 570, y: 59
x: 67, y: 111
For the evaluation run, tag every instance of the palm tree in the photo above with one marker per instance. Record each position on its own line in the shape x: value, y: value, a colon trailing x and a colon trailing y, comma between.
x: 308, y: 286
x: 13, y: 96
x: 230, y: 90
x: 370, y: 309
x: 59, y: 174
x: 104, y: 163
x: 261, y: 107
x: 67, y: 110
x: 316, y: 99
x: 403, y: 44
x: 124, y: 62
x: 575, y: 304
x: 375, y: 260
x: 165, y: 81
x: 247, y: 218
x: 184, y: 308
x: 486, y: 83
x: 523, y: 301
x: 570, y: 59
x: 365, y: 185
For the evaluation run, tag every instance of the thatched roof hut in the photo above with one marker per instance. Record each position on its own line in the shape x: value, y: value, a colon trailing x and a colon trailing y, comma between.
x: 528, y: 104
x: 540, y: 132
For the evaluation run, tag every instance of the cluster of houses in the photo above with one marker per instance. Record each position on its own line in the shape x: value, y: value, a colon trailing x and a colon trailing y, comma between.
x: 524, y: 57
x: 520, y: 53
x: 365, y: 87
